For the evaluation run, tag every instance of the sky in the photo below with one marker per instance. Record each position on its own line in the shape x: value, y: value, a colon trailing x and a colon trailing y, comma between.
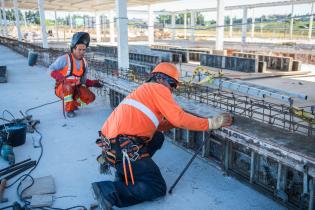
x: 197, y: 4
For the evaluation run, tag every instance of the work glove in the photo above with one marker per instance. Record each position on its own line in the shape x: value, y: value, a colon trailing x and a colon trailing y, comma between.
x: 222, y: 120
x: 93, y: 83
x: 57, y: 76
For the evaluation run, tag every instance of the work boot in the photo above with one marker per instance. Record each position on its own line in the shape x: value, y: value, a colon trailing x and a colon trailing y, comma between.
x: 103, y: 203
x: 71, y: 114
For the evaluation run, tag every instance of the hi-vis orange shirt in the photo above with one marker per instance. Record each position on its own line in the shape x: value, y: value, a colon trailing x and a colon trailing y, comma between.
x: 143, y: 111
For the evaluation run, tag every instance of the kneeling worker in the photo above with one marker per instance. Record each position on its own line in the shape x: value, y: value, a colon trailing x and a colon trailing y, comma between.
x: 132, y: 134
x: 70, y: 72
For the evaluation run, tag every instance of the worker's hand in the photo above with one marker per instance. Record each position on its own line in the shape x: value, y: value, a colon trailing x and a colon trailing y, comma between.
x: 57, y: 76
x: 93, y: 83
x: 222, y: 120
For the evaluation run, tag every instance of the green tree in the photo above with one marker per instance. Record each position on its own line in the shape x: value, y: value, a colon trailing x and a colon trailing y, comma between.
x: 164, y: 19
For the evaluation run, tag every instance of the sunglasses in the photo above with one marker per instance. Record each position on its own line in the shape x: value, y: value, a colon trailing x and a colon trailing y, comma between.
x: 171, y: 82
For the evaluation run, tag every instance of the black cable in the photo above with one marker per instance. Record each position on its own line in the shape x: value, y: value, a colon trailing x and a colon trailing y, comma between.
x: 36, y: 107
x: 55, y: 208
x: 7, y: 111
x: 5, y: 119
x: 26, y: 203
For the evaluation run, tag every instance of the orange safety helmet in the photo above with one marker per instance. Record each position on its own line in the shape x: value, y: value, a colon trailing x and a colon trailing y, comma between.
x: 168, y: 69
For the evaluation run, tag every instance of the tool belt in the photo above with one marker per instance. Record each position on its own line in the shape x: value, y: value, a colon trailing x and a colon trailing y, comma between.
x: 121, y: 149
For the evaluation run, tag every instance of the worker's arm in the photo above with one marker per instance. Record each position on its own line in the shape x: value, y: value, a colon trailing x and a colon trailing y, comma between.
x: 89, y: 82
x: 165, y: 125
x: 164, y: 101
x: 59, y: 64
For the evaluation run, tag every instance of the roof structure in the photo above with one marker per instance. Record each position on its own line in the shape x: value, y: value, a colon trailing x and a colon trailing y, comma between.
x: 79, y: 5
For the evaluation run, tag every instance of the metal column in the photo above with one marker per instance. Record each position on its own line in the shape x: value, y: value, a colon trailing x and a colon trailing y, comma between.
x: 43, y: 22
x: 122, y: 35
x: 4, y: 18
x: 17, y: 20
x: 25, y: 22
x: 70, y: 21
x: 56, y: 26
x: 291, y: 22
x: 150, y: 24
x: 310, y: 28
x: 111, y: 27
x: 173, y: 26
x: 185, y: 25
x: 192, y: 26
x: 98, y: 26
x: 1, y: 23
x: 220, y: 25
x: 244, y: 26
x: 231, y: 27
x: 252, y: 35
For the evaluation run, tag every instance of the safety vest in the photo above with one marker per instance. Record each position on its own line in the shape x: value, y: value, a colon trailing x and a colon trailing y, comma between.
x: 71, y: 72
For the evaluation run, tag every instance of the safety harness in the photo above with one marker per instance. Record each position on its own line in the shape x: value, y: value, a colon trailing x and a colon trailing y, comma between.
x: 123, y: 148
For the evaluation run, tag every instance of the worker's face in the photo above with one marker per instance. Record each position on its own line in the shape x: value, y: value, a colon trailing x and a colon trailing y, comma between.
x: 166, y: 84
x: 79, y: 51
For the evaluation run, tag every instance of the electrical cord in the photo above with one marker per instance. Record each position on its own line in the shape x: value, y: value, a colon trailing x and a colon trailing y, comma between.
x: 23, y: 177
x: 36, y: 107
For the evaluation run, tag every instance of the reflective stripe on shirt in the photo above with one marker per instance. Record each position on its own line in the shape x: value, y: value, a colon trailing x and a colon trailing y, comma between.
x: 144, y: 109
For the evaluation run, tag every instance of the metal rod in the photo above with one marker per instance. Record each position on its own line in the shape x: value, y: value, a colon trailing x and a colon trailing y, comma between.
x: 16, y: 168
x: 186, y: 167
x: 20, y: 170
x: 16, y: 164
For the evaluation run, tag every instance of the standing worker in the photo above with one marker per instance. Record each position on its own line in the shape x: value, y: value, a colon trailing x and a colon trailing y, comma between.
x: 132, y: 134
x: 70, y: 72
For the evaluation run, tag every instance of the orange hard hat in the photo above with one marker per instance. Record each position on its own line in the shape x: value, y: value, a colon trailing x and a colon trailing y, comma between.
x: 168, y: 69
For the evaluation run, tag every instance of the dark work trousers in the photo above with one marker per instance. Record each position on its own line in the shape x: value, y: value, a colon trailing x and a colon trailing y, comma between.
x: 149, y: 183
